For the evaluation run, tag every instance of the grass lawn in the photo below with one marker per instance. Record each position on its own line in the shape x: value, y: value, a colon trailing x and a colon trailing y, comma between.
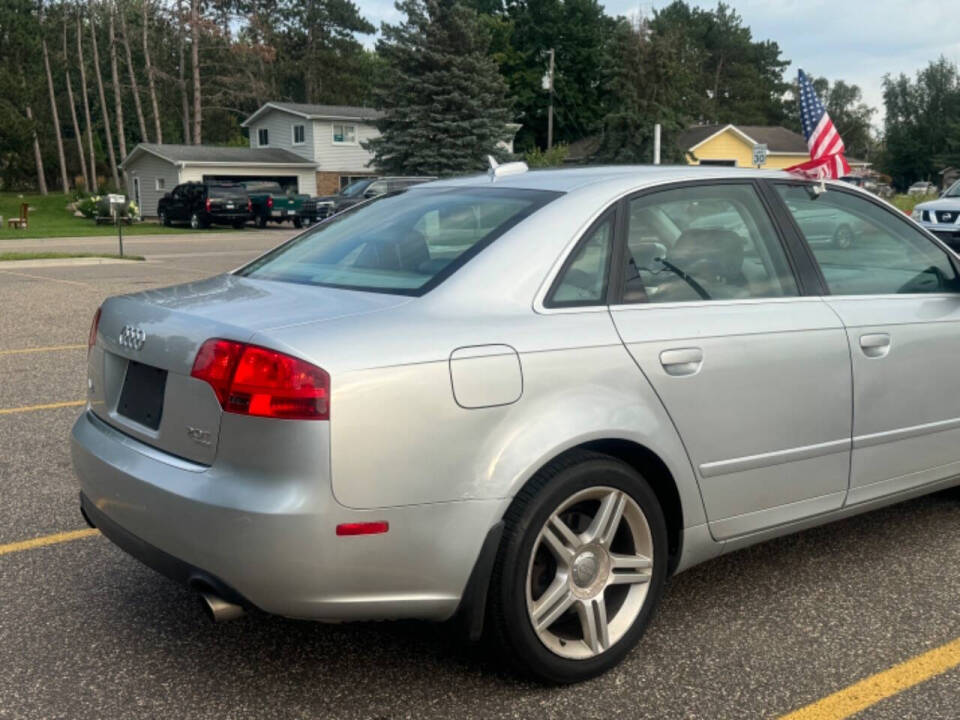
x: 907, y: 202
x: 49, y: 217
x: 58, y: 255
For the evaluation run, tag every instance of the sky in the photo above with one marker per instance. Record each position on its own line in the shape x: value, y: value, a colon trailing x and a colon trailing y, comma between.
x: 857, y: 41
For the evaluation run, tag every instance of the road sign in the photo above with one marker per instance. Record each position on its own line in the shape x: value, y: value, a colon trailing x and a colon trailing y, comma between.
x: 759, y: 155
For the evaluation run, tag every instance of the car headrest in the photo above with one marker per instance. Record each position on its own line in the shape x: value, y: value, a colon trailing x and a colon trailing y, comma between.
x: 406, y: 253
x: 720, y: 250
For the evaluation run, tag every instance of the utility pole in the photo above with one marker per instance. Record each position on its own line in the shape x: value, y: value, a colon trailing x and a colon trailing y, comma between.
x: 550, y: 108
x: 656, y: 144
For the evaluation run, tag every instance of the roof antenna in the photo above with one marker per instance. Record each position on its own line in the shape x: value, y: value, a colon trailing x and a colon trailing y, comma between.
x: 497, y: 170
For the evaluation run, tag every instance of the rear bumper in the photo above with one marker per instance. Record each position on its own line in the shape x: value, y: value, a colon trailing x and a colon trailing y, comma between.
x: 164, y: 563
x: 270, y: 540
x: 228, y: 218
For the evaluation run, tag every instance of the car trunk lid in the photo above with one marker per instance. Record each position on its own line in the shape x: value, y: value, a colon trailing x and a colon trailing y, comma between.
x: 139, y: 371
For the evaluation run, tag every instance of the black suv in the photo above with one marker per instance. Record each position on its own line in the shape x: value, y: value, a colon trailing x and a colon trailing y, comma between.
x: 205, y: 204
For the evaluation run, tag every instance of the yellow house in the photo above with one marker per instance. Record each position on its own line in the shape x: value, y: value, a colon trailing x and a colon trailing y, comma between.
x: 733, y: 145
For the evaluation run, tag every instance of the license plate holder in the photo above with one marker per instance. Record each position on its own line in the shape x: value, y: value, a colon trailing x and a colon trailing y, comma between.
x: 141, y: 398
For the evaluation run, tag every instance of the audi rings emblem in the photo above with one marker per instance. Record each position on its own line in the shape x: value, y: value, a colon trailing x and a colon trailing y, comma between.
x: 132, y: 337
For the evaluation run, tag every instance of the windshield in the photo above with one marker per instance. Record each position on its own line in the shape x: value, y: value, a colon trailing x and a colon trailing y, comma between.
x: 403, y: 243
x: 954, y: 190
x: 356, y: 187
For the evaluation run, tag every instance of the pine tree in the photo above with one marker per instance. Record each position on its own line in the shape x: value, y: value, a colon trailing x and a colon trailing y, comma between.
x: 445, y: 101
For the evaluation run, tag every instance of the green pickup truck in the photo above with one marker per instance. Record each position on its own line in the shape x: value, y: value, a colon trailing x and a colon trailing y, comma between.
x: 269, y: 202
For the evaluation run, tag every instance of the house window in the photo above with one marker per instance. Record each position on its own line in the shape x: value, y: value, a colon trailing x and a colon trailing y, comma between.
x: 345, y: 134
x: 298, y: 135
x: 160, y: 184
x: 263, y: 137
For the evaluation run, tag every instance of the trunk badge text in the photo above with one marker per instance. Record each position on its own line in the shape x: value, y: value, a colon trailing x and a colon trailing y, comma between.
x: 132, y: 338
x: 199, y: 436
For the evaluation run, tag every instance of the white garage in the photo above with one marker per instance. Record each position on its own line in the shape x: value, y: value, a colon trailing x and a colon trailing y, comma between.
x: 153, y: 170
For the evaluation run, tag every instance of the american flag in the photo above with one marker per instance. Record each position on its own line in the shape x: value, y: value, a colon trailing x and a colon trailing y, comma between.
x: 825, y: 143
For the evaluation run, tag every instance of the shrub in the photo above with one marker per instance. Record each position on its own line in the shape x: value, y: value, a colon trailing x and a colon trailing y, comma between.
x: 553, y: 157
x: 87, y: 206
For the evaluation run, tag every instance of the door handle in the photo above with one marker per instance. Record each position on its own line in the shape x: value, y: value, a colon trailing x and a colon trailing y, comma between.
x: 682, y: 361
x: 875, y: 345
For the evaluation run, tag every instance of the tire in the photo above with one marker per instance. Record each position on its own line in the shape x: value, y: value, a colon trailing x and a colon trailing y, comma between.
x: 261, y: 221
x: 575, y: 488
x: 239, y: 225
x: 843, y: 237
x: 297, y: 223
x: 164, y: 220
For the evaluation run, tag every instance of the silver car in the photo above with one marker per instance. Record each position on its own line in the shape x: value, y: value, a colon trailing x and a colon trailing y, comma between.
x: 524, y: 400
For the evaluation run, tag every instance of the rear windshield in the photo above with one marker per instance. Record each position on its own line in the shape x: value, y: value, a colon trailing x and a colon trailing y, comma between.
x: 404, y: 243
x: 264, y: 187
x: 227, y: 191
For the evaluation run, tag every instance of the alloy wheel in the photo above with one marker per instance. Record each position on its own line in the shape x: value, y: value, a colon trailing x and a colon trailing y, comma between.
x: 843, y: 237
x: 589, y: 572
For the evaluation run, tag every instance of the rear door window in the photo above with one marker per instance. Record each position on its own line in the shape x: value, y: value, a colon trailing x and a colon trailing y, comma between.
x: 703, y: 242
x: 864, y: 249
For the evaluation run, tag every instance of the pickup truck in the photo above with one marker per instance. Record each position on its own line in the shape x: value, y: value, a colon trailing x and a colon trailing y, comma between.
x: 269, y: 202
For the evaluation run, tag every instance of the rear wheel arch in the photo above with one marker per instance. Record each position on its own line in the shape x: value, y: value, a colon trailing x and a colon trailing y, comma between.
x: 653, y: 469
x: 639, y: 457
x: 658, y: 475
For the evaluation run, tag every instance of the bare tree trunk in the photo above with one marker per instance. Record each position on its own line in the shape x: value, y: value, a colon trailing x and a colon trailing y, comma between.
x: 133, y: 76
x: 73, y: 113
x: 103, y: 99
x: 195, y: 61
x: 41, y: 180
x: 182, y: 81
x: 150, y: 80
x: 86, y: 108
x: 117, y: 98
x: 64, y: 177
x: 308, y: 70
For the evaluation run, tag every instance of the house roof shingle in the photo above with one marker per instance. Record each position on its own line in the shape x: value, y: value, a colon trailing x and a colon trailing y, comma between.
x: 309, y: 111
x: 776, y: 138
x: 214, y: 154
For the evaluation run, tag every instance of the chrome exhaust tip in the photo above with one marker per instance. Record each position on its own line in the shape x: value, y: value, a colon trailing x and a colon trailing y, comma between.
x: 219, y: 610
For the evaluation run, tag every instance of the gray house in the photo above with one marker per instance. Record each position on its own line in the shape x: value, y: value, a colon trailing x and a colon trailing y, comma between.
x: 153, y: 170
x: 328, y: 135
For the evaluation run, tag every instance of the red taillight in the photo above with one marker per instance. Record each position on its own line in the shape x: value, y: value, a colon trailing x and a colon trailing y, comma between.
x: 362, y: 528
x: 207, y: 205
x: 251, y: 380
x: 92, y: 337
x: 249, y: 206
x: 269, y: 202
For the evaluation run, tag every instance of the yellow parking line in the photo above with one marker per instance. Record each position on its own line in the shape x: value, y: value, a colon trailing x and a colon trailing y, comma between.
x: 48, y: 406
x: 47, y: 540
x: 48, y: 348
x: 871, y: 690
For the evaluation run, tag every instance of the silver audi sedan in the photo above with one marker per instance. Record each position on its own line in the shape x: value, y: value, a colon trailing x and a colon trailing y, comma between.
x: 524, y: 399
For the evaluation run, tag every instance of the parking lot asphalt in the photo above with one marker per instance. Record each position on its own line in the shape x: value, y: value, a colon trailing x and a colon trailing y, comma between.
x: 88, y: 632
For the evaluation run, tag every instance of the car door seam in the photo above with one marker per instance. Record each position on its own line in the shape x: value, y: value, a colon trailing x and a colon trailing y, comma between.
x: 683, y: 444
